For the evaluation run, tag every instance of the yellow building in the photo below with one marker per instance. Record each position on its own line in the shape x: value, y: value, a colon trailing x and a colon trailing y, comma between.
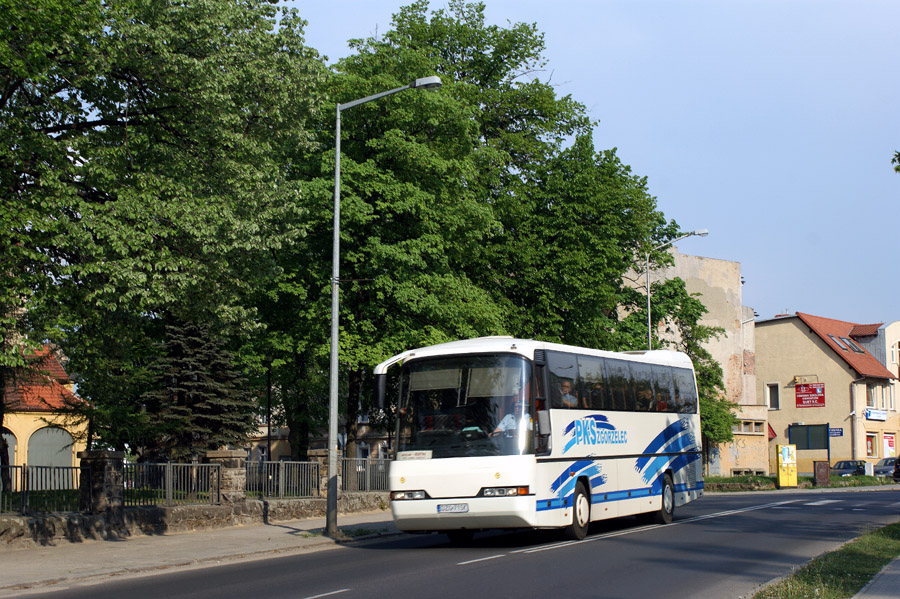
x: 828, y: 388
x: 34, y: 432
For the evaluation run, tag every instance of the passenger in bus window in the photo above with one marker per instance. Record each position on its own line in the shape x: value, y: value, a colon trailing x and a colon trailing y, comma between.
x: 565, y: 393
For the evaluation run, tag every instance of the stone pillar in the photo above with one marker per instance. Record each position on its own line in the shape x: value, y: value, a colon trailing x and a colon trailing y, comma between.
x: 234, y: 475
x: 102, y: 489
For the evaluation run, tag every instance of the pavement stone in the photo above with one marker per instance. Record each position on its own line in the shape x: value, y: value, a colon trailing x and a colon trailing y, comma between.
x: 29, y: 571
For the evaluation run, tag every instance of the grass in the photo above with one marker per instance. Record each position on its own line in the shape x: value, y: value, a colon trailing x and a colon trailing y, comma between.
x: 840, y: 573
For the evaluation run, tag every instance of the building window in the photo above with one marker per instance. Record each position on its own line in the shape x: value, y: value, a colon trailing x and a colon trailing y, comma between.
x: 890, y: 396
x: 808, y: 436
x: 895, y: 352
x: 772, y: 398
x: 748, y: 427
x: 837, y: 342
x: 871, y: 444
x: 852, y: 344
x: 871, y: 396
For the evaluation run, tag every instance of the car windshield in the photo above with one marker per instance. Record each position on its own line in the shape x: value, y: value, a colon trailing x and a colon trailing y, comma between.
x: 466, y: 406
x: 845, y: 465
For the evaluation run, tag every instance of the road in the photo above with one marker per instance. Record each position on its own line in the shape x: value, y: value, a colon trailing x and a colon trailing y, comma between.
x: 720, y: 546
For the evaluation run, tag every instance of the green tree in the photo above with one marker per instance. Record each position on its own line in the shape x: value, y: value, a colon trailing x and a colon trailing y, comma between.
x: 896, y: 161
x: 149, y: 145
x: 198, y: 401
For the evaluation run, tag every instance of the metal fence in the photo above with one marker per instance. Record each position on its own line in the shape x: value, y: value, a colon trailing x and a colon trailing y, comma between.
x: 363, y: 474
x: 172, y: 484
x: 283, y: 479
x: 39, y: 489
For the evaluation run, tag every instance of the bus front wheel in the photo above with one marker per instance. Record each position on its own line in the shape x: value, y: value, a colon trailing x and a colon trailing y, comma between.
x: 581, y: 514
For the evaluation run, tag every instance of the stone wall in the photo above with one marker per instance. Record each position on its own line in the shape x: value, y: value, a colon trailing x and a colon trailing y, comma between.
x: 52, y: 529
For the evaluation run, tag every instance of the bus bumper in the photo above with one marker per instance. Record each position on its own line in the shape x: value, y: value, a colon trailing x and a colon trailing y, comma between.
x: 422, y: 515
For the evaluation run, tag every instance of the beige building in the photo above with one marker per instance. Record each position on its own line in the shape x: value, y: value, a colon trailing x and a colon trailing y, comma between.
x: 34, y: 432
x: 829, y: 386
x: 719, y: 284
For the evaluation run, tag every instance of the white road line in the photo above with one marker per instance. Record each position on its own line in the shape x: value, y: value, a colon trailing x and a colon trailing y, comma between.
x: 643, y: 528
x: 475, y: 561
x: 327, y: 594
x: 823, y: 502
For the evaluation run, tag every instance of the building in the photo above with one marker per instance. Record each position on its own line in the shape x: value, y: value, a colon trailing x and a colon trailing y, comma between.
x: 828, y: 388
x: 34, y: 432
x: 719, y: 284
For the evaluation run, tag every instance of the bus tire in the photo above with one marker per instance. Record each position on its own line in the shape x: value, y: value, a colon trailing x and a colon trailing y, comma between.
x: 460, y: 537
x: 581, y: 514
x: 667, y: 509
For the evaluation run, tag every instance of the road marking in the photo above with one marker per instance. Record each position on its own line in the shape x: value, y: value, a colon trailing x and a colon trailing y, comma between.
x: 643, y: 528
x: 327, y: 594
x: 823, y: 502
x: 482, y: 559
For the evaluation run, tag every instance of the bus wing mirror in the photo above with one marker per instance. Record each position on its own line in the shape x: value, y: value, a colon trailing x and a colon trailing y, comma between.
x: 380, y: 383
x: 543, y: 422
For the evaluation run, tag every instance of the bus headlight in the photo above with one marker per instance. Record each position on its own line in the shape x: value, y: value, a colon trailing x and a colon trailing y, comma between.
x: 504, y: 491
x: 402, y: 495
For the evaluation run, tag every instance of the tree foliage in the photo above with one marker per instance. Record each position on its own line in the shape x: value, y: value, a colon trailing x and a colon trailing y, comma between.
x: 171, y: 173
x: 145, y: 151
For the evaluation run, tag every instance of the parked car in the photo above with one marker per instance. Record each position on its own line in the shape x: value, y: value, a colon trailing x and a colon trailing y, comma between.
x: 849, y: 468
x: 897, y: 470
x: 885, y: 467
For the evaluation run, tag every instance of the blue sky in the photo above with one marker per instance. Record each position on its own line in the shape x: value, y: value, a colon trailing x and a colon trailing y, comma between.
x: 770, y: 123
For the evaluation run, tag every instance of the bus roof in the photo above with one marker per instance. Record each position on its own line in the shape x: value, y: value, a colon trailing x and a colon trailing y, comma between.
x: 527, y: 347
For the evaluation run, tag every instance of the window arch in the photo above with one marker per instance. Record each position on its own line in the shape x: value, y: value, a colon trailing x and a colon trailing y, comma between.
x: 10, y: 444
x: 50, y: 446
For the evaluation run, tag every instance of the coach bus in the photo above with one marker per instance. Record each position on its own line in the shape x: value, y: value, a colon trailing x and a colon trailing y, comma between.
x: 498, y: 432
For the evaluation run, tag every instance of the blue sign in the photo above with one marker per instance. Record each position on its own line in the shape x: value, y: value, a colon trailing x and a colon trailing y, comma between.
x: 835, y: 432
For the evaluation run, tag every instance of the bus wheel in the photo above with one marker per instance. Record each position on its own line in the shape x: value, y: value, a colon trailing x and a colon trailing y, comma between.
x: 460, y: 537
x: 667, y: 510
x: 581, y: 514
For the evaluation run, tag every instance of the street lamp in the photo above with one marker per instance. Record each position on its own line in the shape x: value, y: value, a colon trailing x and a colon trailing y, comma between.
x: 698, y: 233
x: 331, y: 505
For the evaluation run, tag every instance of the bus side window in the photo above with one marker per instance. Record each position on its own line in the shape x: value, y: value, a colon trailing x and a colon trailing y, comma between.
x: 641, y: 375
x: 685, y: 392
x: 592, y: 383
x: 663, y: 388
x: 563, y: 374
x: 621, y: 391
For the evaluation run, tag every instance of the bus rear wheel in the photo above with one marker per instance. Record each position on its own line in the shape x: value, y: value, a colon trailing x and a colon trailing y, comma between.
x: 667, y: 509
x: 581, y: 514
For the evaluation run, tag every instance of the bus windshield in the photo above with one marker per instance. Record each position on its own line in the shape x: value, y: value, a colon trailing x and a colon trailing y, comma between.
x: 466, y: 406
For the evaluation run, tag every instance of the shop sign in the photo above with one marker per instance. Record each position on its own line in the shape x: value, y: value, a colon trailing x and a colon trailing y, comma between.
x: 810, y: 395
x: 876, y: 414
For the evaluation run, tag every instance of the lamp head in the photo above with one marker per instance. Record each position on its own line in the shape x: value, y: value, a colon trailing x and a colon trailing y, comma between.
x: 700, y: 232
x: 427, y: 82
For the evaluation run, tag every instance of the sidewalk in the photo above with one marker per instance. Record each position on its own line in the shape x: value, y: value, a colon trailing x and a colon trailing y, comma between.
x: 31, y: 571
x: 35, y: 570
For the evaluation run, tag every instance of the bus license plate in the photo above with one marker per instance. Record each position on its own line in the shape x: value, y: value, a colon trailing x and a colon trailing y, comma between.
x: 453, y: 508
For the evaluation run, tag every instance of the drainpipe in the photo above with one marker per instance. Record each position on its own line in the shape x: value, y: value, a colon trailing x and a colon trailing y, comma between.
x: 853, y: 416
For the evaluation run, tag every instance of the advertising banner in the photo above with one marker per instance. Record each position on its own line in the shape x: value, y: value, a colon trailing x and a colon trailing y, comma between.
x: 810, y: 395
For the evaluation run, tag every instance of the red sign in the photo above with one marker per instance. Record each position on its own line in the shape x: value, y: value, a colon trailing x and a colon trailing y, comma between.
x: 811, y: 395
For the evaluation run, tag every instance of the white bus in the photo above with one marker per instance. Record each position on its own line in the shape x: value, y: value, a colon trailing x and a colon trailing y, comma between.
x: 499, y: 432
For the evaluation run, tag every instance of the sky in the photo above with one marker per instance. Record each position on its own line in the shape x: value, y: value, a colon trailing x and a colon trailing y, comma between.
x: 770, y: 123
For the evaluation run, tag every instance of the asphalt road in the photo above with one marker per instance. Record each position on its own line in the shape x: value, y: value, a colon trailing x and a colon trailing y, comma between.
x: 720, y: 546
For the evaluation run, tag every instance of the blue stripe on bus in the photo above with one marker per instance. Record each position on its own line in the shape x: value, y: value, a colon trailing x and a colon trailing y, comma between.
x: 556, y: 503
x: 663, y: 438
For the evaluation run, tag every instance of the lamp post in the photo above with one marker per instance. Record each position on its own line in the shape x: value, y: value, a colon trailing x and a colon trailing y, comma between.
x: 699, y: 233
x: 331, y: 505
